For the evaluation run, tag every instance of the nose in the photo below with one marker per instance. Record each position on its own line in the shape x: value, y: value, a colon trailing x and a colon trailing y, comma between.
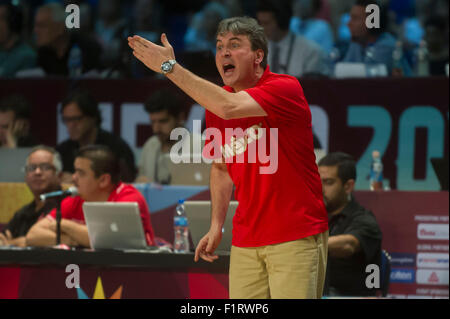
x: 156, y: 128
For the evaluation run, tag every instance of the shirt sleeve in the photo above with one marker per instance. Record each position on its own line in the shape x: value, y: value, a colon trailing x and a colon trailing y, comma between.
x: 365, y: 228
x: 14, y: 224
x: 71, y: 208
x: 282, y: 99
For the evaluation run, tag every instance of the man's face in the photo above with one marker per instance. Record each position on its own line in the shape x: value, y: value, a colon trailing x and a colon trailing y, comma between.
x: 84, y: 179
x: 162, y: 124
x: 78, y: 125
x: 269, y: 23
x: 334, y: 194
x: 4, y: 28
x: 45, y: 29
x: 6, y: 121
x: 40, y: 173
x: 236, y: 61
x: 357, y: 23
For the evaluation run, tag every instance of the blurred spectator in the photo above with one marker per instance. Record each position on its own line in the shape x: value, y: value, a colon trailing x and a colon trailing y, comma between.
x: 55, y: 43
x: 370, y: 46
x: 411, y: 26
x: 305, y: 23
x: 436, y: 38
x: 15, y: 54
x: 340, y: 16
x: 166, y: 113
x: 234, y: 7
x: 201, y: 33
x: 42, y: 175
x: 355, y: 237
x: 82, y: 117
x: 147, y: 17
x: 112, y: 30
x: 15, y: 114
x: 289, y: 53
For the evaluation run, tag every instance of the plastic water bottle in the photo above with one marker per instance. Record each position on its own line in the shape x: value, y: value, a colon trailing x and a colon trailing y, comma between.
x: 376, y: 172
x: 371, y: 65
x: 181, y: 229
x: 334, y: 57
x: 422, y: 65
x: 75, y: 62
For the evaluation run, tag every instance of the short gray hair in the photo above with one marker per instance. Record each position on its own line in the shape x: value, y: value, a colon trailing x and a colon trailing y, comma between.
x: 57, y: 162
x: 249, y: 27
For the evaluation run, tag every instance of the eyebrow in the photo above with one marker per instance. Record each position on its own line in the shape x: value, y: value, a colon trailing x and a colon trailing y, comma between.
x: 233, y: 38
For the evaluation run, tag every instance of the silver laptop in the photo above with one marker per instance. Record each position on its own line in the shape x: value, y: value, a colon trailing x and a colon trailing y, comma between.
x: 114, y: 225
x: 199, y: 219
x: 189, y: 173
x: 12, y: 162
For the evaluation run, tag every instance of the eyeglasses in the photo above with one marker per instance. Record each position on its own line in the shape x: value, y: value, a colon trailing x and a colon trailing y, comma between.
x: 75, y: 119
x: 44, y: 167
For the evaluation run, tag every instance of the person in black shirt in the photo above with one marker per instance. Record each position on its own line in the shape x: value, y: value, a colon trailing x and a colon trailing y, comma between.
x: 55, y: 42
x: 42, y: 175
x: 436, y: 37
x: 355, y: 237
x: 81, y: 115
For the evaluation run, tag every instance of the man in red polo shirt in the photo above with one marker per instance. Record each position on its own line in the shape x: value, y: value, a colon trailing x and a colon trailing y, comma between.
x: 97, y: 179
x: 280, y: 229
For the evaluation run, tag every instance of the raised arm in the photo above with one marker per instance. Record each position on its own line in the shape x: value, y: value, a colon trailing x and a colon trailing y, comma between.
x: 224, y: 104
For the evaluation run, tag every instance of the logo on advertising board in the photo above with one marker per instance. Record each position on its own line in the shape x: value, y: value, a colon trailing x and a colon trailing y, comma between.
x: 403, y: 260
x: 432, y: 277
x: 432, y: 231
x: 402, y: 275
x: 432, y: 260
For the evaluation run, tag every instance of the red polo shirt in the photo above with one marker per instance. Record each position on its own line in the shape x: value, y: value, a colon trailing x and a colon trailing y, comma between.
x: 72, y: 207
x: 284, y: 202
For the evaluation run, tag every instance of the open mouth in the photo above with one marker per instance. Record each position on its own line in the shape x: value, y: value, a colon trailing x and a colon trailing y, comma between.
x: 228, y: 68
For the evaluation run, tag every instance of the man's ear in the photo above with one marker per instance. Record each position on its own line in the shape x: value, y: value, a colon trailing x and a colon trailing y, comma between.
x: 104, y: 180
x: 349, y: 186
x: 259, y: 56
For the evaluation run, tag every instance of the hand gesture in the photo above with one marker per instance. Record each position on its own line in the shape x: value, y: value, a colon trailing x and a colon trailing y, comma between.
x: 5, y: 238
x: 150, y: 54
x: 207, y: 245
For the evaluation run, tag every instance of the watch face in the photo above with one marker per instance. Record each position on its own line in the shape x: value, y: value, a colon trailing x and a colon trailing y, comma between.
x: 166, y: 66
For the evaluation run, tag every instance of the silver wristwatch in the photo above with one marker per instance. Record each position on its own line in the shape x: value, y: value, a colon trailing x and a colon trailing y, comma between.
x: 167, y: 66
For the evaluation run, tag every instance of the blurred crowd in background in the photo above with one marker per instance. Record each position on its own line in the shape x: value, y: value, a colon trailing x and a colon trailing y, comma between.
x: 34, y: 40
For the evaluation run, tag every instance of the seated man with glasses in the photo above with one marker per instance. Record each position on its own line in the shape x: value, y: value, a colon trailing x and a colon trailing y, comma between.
x: 97, y: 179
x: 42, y: 175
x: 82, y: 117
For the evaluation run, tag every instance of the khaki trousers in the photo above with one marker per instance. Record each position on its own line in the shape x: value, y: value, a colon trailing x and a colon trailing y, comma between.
x: 290, y: 270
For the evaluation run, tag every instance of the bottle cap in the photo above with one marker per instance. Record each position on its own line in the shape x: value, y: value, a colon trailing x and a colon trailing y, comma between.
x: 180, y: 201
